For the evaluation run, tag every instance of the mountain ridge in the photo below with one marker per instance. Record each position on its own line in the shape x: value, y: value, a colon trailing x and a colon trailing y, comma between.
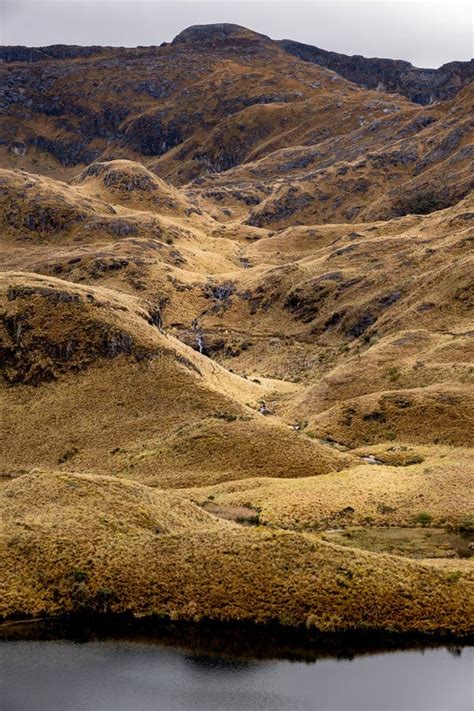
x: 420, y: 85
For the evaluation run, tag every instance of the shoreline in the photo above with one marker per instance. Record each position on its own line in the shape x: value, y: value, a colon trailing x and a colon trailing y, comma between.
x: 232, y: 638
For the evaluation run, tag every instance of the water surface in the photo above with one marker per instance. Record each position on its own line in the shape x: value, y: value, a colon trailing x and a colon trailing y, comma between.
x: 143, y: 675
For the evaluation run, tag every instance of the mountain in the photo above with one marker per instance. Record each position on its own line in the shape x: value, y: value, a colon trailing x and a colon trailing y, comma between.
x: 235, y: 338
x: 422, y: 86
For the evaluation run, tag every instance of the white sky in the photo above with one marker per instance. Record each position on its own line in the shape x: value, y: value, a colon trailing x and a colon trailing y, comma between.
x: 427, y: 33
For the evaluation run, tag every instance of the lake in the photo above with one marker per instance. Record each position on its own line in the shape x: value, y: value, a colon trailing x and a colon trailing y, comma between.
x: 151, y: 674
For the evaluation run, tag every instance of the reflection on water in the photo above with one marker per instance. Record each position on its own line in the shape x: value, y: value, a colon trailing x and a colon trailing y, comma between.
x: 197, y: 669
x: 221, y: 665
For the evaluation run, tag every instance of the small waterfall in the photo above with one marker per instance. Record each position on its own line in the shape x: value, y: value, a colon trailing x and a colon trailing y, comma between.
x: 198, y: 331
x: 199, y: 341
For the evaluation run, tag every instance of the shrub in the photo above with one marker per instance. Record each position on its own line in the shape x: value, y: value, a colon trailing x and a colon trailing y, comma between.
x: 80, y: 576
x: 80, y: 595
x: 67, y: 455
x: 251, y: 520
x: 84, y: 600
x: 424, y: 518
x: 384, y: 509
x: 227, y: 416
x: 393, y: 374
x: 415, y: 459
x: 103, y: 599
x: 466, y: 526
x: 421, y: 204
x: 454, y: 576
x: 300, y: 425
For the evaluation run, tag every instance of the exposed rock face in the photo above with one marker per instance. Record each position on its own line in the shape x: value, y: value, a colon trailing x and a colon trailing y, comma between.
x: 423, y: 86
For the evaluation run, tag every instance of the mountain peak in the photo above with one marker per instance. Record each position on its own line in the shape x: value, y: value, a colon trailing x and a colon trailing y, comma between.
x: 216, y: 34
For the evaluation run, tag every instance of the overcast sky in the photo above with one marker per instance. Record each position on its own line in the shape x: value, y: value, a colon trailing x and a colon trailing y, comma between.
x: 427, y: 33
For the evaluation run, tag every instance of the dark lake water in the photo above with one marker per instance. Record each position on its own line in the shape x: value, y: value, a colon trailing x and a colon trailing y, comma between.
x: 139, y: 674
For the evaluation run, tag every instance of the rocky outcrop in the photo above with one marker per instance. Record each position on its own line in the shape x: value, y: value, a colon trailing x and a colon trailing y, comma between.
x: 217, y: 34
x: 422, y: 86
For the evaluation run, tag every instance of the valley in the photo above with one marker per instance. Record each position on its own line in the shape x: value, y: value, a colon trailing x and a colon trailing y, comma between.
x: 236, y: 339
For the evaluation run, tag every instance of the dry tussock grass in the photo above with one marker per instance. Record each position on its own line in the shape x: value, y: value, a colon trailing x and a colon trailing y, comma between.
x: 405, y: 360
x: 435, y: 414
x: 75, y: 541
x: 356, y: 332
x: 174, y: 418
x: 167, y: 414
x: 364, y: 495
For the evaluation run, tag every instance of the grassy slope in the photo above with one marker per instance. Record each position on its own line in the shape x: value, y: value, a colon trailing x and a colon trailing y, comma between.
x: 120, y: 545
x: 123, y: 447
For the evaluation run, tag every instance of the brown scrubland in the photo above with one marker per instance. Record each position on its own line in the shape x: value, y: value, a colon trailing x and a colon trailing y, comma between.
x: 236, y: 374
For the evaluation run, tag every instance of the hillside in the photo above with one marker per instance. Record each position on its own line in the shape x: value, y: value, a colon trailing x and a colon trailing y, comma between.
x: 236, y: 374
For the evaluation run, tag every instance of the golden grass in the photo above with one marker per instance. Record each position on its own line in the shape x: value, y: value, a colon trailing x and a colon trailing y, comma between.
x: 161, y: 414
x: 364, y: 495
x: 123, y: 449
x: 128, y: 183
x: 420, y: 542
x: 115, y: 394
x: 436, y: 414
x: 76, y: 541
